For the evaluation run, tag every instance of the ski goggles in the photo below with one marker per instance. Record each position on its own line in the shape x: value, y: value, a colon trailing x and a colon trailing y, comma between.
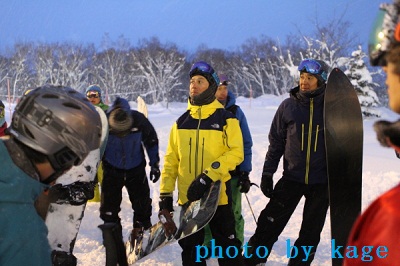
x: 202, y: 66
x: 313, y: 67
x: 2, y: 112
x: 92, y: 94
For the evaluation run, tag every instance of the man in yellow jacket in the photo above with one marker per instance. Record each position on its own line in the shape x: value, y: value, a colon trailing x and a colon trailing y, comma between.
x: 205, y: 143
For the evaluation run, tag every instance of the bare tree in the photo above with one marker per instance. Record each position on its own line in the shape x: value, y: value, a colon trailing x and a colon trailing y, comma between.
x: 160, y: 66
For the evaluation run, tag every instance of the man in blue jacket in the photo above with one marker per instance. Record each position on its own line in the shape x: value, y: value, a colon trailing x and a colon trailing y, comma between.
x: 297, y: 134
x: 124, y: 164
x: 240, y: 182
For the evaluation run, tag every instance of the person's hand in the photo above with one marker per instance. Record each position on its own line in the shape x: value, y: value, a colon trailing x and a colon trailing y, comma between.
x: 165, y: 203
x: 244, y: 182
x: 155, y: 173
x: 165, y: 215
x: 198, y: 187
x: 267, y: 185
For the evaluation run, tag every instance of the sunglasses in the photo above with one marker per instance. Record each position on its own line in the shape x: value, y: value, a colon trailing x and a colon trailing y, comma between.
x: 312, y: 67
x: 93, y: 95
x: 205, y: 68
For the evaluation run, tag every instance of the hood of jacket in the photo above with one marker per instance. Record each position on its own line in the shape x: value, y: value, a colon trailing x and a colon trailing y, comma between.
x: 230, y: 100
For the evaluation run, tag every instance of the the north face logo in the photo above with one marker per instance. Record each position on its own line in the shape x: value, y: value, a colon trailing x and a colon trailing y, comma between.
x: 215, y: 126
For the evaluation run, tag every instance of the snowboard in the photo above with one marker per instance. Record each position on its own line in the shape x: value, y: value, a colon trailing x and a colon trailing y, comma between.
x: 66, y: 210
x: 344, y: 151
x: 188, y: 219
x: 142, y: 106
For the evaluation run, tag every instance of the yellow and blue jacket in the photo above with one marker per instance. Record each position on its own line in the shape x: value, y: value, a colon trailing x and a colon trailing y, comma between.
x: 205, y: 139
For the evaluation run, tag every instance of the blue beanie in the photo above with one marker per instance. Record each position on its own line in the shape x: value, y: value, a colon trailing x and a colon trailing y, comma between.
x: 94, y: 88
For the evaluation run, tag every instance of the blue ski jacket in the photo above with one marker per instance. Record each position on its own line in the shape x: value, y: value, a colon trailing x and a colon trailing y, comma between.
x: 23, y: 233
x: 231, y: 106
x: 126, y: 152
x: 297, y: 134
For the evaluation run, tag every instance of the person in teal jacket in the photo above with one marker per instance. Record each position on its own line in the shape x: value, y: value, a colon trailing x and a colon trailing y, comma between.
x: 39, y: 149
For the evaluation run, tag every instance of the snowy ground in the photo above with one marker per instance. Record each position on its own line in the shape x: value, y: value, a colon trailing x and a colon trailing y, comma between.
x: 380, y: 172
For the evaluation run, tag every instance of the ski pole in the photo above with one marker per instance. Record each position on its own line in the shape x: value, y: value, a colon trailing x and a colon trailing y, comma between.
x: 251, y: 209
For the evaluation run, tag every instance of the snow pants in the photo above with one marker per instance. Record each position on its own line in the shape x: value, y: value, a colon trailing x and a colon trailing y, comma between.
x: 236, y: 197
x: 273, y: 219
x: 135, y: 181
x: 222, y: 226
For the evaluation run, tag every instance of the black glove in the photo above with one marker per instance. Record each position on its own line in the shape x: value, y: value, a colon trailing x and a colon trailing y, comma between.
x: 198, y: 187
x: 155, y: 173
x: 244, y: 182
x: 166, y: 203
x: 267, y: 185
x: 76, y: 193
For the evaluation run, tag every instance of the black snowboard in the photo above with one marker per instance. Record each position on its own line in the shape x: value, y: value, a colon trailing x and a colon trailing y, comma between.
x: 344, y: 149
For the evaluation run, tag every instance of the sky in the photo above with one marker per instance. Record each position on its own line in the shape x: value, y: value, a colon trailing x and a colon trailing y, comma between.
x: 223, y: 24
x: 380, y: 172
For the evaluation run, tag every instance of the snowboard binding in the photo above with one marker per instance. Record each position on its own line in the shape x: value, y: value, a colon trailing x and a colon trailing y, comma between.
x: 168, y: 223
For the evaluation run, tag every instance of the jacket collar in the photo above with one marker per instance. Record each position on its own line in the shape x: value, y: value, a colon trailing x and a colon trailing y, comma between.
x: 204, y: 111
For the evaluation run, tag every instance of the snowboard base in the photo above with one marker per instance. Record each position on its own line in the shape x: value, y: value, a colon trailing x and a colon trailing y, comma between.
x: 344, y: 150
x: 188, y: 218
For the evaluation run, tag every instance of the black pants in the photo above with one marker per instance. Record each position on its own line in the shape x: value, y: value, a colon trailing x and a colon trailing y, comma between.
x: 275, y: 216
x: 135, y: 181
x: 222, y: 226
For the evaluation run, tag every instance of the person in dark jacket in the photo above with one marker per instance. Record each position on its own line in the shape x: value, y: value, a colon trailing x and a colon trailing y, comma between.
x: 297, y: 134
x: 124, y: 164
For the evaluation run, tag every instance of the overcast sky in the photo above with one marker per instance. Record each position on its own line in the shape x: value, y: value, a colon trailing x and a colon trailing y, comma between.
x: 224, y: 24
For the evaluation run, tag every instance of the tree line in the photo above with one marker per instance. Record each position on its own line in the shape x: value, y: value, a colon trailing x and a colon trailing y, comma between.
x: 159, y: 71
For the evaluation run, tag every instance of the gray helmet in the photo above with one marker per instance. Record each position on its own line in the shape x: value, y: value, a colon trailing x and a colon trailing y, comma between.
x: 58, y: 122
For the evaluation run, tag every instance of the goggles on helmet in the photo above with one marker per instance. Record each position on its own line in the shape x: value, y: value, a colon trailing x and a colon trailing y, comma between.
x: 313, y: 67
x: 205, y: 68
x: 384, y: 33
x: 92, y: 94
x: 2, y: 112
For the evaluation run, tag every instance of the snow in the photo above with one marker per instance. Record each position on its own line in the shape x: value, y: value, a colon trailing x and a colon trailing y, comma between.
x: 380, y: 172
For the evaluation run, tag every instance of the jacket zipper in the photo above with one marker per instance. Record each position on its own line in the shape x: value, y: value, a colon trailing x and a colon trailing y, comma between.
x: 316, y: 139
x: 302, y: 137
x: 190, y: 155
x: 197, y: 144
x: 309, y: 141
